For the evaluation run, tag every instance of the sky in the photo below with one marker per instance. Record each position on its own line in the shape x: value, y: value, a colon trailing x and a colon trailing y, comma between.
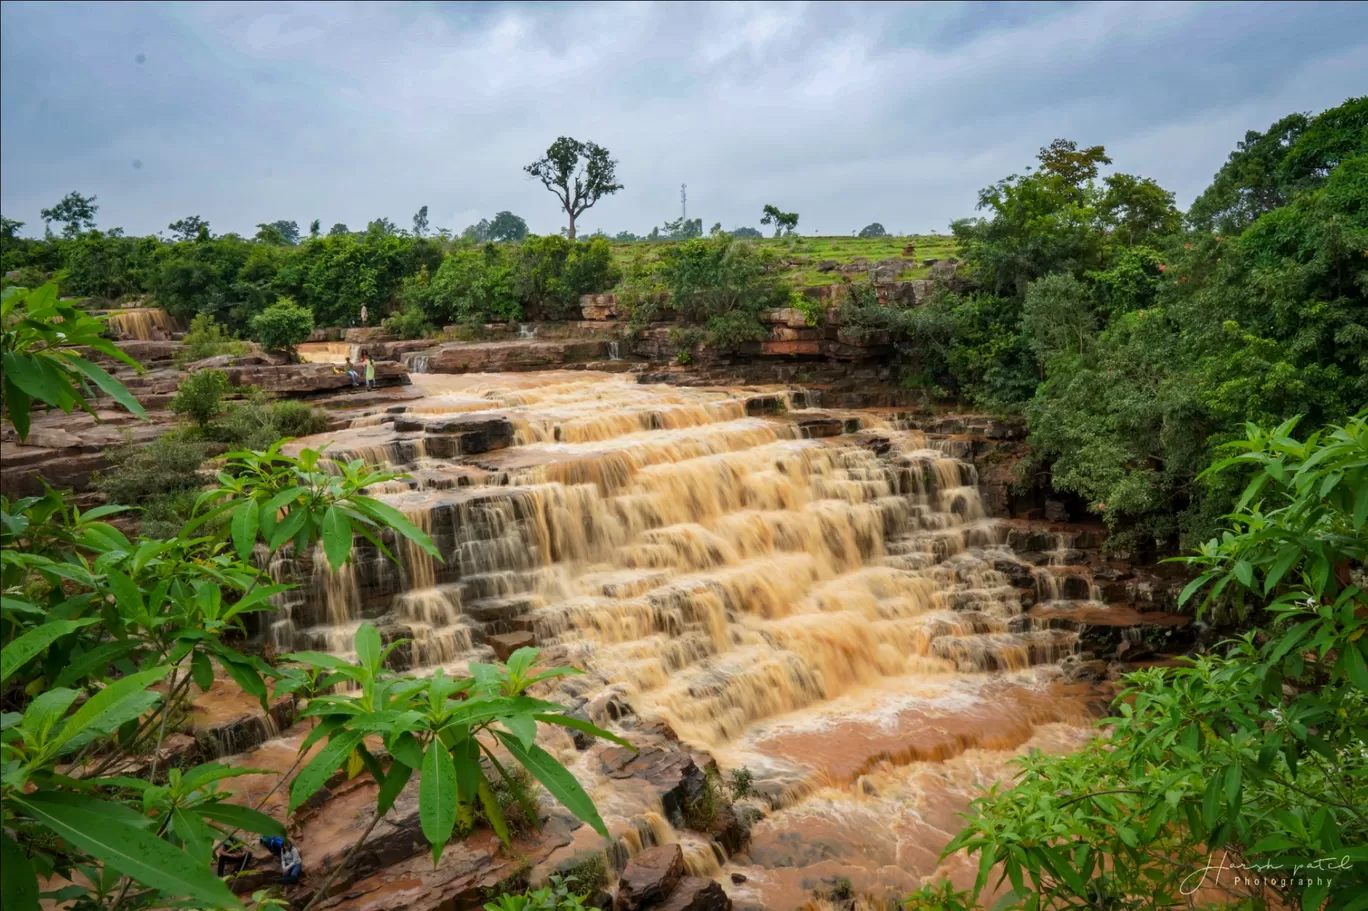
x: 845, y: 113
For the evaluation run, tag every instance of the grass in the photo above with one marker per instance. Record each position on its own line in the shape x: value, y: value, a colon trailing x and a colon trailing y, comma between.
x: 805, y: 253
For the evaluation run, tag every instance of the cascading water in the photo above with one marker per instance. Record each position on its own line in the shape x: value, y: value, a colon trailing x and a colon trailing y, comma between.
x: 142, y: 323
x: 830, y: 613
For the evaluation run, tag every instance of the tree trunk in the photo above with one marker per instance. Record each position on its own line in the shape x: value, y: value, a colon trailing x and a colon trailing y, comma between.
x: 571, y: 235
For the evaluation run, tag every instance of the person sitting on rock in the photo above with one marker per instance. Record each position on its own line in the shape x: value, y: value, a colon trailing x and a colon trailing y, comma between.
x: 273, y: 843
x: 232, y: 857
x: 350, y: 369
x: 291, y: 864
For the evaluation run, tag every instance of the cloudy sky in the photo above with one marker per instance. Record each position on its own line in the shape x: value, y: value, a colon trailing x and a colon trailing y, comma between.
x: 847, y: 114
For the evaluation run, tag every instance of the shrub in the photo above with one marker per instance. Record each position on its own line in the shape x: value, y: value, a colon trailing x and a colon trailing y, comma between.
x: 700, y: 814
x: 207, y: 338
x: 410, y: 322
x: 741, y: 781
x: 259, y: 422
x: 725, y: 284
x: 472, y: 286
x: 283, y: 326
x: 200, y: 396
x: 140, y: 473
x: 551, y: 273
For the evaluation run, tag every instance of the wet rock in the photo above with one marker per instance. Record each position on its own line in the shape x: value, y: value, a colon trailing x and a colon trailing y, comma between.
x: 309, y: 379
x: 1017, y: 572
x: 694, y: 893
x: 1056, y: 511
x: 738, y: 878
x: 679, y: 780
x: 505, y: 644
x: 818, y: 426
x: 649, y: 877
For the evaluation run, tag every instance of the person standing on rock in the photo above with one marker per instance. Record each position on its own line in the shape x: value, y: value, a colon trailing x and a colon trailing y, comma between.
x: 363, y: 314
x: 370, y: 370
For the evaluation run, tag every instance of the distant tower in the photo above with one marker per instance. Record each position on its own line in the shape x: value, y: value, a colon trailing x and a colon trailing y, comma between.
x: 684, y: 201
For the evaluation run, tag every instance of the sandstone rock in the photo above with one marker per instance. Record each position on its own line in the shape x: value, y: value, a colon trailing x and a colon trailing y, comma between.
x: 505, y: 644
x: 649, y: 878
x: 309, y: 379
x: 790, y: 349
x: 828, y: 265
x: 1056, y: 511
x: 694, y: 893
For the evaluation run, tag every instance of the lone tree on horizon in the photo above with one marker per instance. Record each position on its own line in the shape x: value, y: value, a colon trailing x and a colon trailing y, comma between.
x: 784, y: 222
x: 577, y: 185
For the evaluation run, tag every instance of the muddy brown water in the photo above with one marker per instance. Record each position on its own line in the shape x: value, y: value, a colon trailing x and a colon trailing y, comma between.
x: 822, y: 612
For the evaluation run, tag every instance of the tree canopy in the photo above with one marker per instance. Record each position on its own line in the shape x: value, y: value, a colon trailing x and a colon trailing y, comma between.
x: 579, y: 174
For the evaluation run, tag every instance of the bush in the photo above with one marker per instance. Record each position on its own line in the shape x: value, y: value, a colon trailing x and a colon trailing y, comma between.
x: 552, y: 272
x: 410, y: 322
x: 473, y: 286
x: 207, y: 338
x: 283, y: 326
x: 259, y: 422
x: 200, y: 396
x: 725, y: 284
x: 141, y: 473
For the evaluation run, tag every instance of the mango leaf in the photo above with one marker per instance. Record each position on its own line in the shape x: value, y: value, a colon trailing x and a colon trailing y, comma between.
x: 109, y: 708
x: 94, y: 662
x: 586, y: 727
x: 493, y: 811
x: 316, y: 773
x: 395, y: 780
x: 337, y: 537
x: 367, y: 642
x: 132, y: 851
x: 23, y: 649
x: 556, y: 778
x: 437, y: 797
x: 244, y: 528
x: 202, y: 671
x: 240, y: 817
x: 19, y: 885
x: 109, y: 385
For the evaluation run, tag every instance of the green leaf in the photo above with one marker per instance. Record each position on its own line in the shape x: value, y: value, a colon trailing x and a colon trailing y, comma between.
x: 337, y: 537
x: 320, y: 768
x: 1211, y: 802
x: 244, y: 527
x: 395, y: 780
x: 407, y: 750
x: 94, y: 662
x: 28, y: 646
x: 493, y: 812
x: 1286, y: 557
x: 202, y: 671
x: 107, y: 709
x: 27, y: 374
x: 198, y: 837
x: 1245, y: 573
x: 556, y: 778
x: 522, y: 727
x: 367, y: 642
x: 19, y: 885
x: 239, y: 817
x: 437, y: 797
x: 112, y: 387
x: 1354, y: 668
x: 245, y: 676
x: 388, y: 515
x: 134, y: 852
x: 18, y: 404
x: 46, y: 709
x: 587, y: 727
x: 1233, y: 779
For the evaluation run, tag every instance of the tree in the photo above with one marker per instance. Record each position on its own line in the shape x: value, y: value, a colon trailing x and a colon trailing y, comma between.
x: 382, y: 226
x: 9, y: 228
x: 683, y: 228
x: 278, y: 233
x: 1074, y: 166
x: 189, y: 228
x: 1250, y: 183
x: 338, y: 230
x: 746, y: 233
x: 873, y: 230
x: 578, y: 173
x: 420, y: 222
x: 75, y: 213
x: 507, y: 226
x: 716, y: 228
x: 1138, y: 210
x: 200, y: 396
x: 283, y: 326
x: 478, y: 232
x: 784, y: 222
x: 724, y: 283
x: 315, y: 228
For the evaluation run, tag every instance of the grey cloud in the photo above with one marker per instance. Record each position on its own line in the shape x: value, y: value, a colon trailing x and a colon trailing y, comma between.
x: 845, y: 113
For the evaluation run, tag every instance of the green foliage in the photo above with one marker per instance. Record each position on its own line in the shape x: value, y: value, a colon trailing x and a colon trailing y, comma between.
x: 556, y: 896
x: 552, y: 272
x: 143, y: 472
x: 579, y: 174
x: 873, y: 229
x: 740, y: 783
x: 43, y: 346
x: 200, y: 396
x: 507, y: 227
x: 410, y: 322
x: 701, y: 813
x: 283, y: 326
x: 1253, y: 752
x: 474, y: 285
x: 723, y: 283
x: 74, y: 212
x: 258, y: 422
x: 207, y: 338
x: 784, y: 222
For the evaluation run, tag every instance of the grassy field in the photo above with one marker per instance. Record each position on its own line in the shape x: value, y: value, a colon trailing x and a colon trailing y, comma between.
x: 805, y: 253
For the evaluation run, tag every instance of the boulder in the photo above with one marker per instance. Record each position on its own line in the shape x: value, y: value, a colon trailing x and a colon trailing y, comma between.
x: 828, y: 265
x: 694, y: 893
x: 649, y: 878
x: 505, y: 644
